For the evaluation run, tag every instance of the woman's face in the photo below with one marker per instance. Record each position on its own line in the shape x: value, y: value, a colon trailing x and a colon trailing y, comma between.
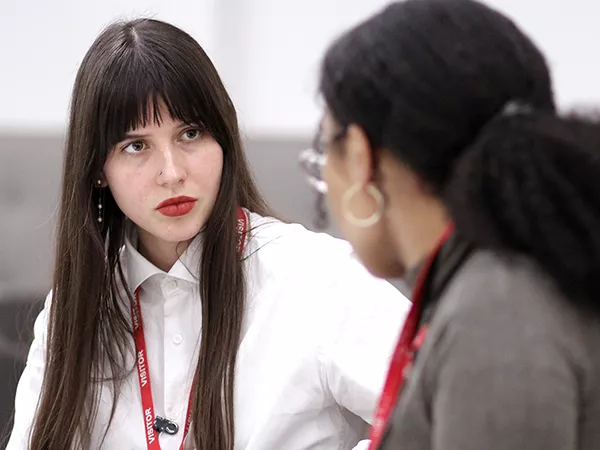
x: 347, y: 173
x: 165, y: 178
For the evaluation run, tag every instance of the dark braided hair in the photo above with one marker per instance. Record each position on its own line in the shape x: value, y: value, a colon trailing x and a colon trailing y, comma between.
x: 430, y: 81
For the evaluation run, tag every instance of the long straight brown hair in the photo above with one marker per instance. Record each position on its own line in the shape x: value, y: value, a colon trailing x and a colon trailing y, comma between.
x: 129, y: 69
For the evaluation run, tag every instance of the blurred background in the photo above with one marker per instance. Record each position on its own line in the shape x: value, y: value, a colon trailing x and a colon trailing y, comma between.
x: 267, y: 52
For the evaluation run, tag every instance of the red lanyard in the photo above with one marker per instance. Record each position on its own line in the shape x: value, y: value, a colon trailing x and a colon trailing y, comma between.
x: 410, y: 338
x: 142, y: 358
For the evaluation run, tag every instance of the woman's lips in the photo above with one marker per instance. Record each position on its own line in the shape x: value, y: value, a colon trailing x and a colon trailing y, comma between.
x: 176, y: 206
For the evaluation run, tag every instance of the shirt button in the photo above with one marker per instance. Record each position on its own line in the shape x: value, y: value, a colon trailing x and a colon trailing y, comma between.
x: 177, y: 339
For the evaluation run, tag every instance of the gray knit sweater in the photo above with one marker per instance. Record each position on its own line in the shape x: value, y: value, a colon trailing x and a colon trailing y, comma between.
x: 508, y: 364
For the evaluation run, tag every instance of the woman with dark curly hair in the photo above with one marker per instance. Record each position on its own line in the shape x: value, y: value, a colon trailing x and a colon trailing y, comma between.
x: 445, y: 160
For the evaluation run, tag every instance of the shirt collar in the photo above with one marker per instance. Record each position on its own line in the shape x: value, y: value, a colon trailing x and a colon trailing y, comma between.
x: 139, y: 269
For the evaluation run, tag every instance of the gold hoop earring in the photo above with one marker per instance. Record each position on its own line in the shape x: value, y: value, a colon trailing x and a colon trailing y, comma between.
x: 366, y: 221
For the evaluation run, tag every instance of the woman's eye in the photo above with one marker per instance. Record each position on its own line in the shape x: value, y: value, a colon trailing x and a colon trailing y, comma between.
x: 134, y: 147
x: 191, y: 135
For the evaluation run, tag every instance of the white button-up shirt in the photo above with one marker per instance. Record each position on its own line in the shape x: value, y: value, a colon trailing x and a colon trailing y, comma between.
x: 317, y: 338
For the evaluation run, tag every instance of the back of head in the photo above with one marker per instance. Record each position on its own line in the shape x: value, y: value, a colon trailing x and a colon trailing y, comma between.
x: 463, y: 98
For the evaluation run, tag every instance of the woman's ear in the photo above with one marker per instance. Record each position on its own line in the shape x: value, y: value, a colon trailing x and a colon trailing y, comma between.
x: 359, y: 158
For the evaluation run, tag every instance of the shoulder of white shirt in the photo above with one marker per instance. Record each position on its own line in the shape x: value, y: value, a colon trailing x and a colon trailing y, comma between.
x: 319, y: 255
x: 295, y: 242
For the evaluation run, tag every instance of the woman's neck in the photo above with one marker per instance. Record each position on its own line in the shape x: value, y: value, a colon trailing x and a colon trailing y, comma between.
x: 418, y: 232
x: 162, y: 254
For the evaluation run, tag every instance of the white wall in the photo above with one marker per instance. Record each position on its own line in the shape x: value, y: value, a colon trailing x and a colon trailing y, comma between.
x: 42, y: 43
x: 282, y: 44
x: 569, y: 35
x: 266, y: 50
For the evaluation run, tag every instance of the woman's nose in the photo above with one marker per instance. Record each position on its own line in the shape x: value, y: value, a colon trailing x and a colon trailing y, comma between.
x: 172, y: 170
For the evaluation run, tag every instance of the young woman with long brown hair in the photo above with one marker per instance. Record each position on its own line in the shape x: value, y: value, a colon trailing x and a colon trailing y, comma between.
x: 181, y: 314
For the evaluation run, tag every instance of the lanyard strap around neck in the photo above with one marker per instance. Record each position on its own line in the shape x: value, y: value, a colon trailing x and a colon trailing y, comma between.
x: 402, y: 356
x: 142, y: 358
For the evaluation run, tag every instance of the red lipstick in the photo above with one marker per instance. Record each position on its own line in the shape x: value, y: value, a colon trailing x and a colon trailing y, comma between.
x: 176, y: 206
